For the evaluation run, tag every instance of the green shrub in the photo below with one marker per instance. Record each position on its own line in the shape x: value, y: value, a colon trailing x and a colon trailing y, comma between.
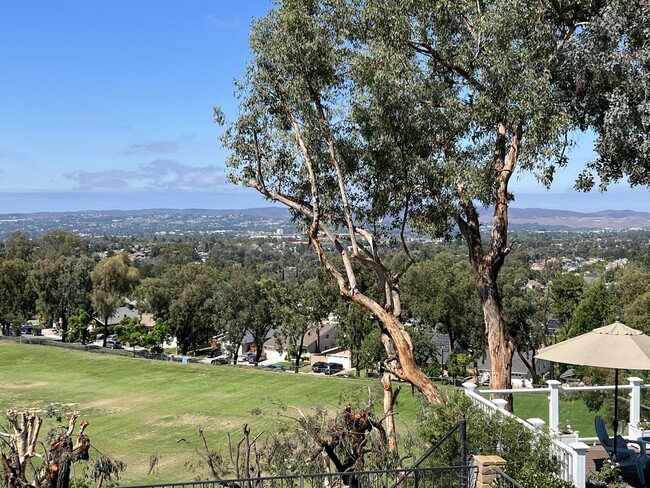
x: 541, y: 479
x: 525, y: 451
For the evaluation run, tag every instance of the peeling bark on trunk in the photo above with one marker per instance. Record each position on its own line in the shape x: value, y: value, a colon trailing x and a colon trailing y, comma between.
x: 499, y: 344
x: 488, y: 264
x: 389, y: 402
x: 401, y: 360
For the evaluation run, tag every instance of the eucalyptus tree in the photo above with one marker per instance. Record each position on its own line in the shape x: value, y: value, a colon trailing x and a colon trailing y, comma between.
x: 62, y: 284
x: 609, y: 87
x: 440, y: 294
x: 289, y: 144
x: 112, y: 280
x: 299, y: 308
x: 19, y: 245
x: 16, y: 294
x: 240, y: 304
x: 61, y: 243
x: 185, y: 297
x: 567, y: 290
x: 360, y: 114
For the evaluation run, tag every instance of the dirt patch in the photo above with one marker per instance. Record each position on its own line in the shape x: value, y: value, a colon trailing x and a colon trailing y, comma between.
x: 20, y: 386
x: 193, y: 420
x: 118, y: 404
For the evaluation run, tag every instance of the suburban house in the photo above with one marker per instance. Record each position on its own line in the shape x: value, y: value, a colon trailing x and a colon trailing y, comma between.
x: 316, y: 341
x: 128, y: 309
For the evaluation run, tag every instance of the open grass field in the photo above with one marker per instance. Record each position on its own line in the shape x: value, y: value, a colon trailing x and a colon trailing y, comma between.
x: 138, y: 407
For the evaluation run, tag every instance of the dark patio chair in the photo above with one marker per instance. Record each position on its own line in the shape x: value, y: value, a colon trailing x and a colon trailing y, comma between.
x: 625, y: 456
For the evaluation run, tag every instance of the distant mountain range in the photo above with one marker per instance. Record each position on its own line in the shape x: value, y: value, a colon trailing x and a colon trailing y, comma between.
x: 263, y: 212
x: 606, y: 219
x: 252, y: 221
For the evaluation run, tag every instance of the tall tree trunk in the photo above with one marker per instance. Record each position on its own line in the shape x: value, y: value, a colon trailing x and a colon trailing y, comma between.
x: 399, y: 349
x: 299, y: 354
x: 64, y: 327
x: 389, y: 402
x: 105, y: 331
x: 500, y: 346
x: 487, y: 264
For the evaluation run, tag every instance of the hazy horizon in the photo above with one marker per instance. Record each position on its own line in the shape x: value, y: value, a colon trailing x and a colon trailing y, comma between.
x: 240, y: 198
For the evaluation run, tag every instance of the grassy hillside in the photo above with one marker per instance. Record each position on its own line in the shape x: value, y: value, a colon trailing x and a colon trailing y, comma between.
x: 139, y: 407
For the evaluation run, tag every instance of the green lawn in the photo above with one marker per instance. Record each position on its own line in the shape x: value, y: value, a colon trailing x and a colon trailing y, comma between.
x: 529, y: 405
x: 138, y: 407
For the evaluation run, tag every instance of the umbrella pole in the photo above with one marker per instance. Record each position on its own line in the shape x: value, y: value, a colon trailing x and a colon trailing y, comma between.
x: 615, y: 410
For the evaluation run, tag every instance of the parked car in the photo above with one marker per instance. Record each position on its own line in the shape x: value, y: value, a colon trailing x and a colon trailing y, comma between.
x: 332, y: 368
x: 219, y: 361
x: 251, y: 359
x: 244, y: 357
x: 318, y: 366
x: 26, y: 329
x: 113, y: 344
x: 275, y: 367
x: 214, y: 352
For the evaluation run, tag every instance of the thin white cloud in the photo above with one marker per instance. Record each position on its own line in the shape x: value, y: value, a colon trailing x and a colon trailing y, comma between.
x: 104, y: 179
x: 152, y: 147
x: 204, y: 181
x: 166, y: 166
x: 161, y: 173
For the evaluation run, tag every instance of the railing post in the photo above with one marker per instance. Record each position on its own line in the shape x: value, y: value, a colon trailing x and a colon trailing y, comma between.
x: 554, y: 404
x: 470, y: 387
x: 635, y: 400
x: 579, y: 464
x: 501, y: 404
x: 485, y: 475
x: 536, y: 422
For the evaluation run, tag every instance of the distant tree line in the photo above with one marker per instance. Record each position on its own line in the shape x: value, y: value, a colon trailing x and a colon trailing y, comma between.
x: 252, y: 287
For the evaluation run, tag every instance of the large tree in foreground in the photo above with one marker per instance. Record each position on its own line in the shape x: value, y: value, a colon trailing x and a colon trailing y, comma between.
x: 362, y: 114
x: 288, y: 144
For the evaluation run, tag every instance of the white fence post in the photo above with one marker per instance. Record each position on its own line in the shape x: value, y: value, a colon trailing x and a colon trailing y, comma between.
x: 580, y: 464
x: 470, y: 386
x: 635, y: 400
x: 536, y: 422
x: 554, y: 404
x: 500, y: 403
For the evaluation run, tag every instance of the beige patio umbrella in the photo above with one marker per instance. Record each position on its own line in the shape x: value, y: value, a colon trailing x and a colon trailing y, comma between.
x: 615, y: 346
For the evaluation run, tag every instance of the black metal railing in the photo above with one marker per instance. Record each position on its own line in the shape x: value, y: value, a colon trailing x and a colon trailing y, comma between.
x: 504, y: 481
x: 439, y: 477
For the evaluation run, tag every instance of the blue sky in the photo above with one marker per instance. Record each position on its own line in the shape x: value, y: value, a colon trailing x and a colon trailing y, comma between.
x: 108, y: 105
